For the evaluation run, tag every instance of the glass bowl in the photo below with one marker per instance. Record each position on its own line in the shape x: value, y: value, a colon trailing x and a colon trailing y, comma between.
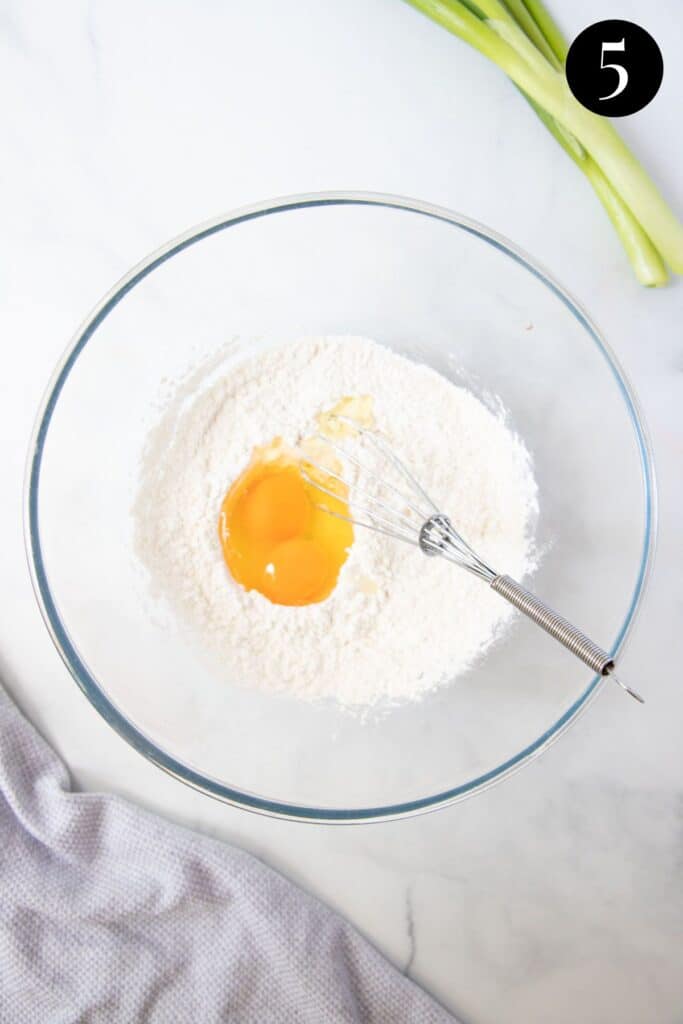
x: 430, y: 284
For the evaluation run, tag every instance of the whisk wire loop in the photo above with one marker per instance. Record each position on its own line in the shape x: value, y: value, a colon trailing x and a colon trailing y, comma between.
x: 368, y: 495
x: 386, y: 484
x: 381, y: 445
x: 434, y: 534
x: 378, y: 526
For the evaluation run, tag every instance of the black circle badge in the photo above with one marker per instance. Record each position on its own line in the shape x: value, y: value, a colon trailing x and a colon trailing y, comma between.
x: 614, y: 68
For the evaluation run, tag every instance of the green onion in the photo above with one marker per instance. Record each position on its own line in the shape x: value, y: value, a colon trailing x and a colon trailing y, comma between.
x: 523, y: 40
x: 548, y: 28
x: 528, y: 24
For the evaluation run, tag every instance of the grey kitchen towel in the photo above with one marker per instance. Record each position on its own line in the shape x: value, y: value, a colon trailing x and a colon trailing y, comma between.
x: 110, y: 914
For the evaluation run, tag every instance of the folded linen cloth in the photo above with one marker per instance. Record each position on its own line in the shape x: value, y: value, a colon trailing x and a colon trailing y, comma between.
x: 109, y: 914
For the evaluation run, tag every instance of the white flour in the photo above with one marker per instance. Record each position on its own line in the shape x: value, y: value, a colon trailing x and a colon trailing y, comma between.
x: 398, y: 623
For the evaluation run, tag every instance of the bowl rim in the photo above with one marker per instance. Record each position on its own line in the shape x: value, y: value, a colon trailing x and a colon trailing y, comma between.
x: 67, y: 649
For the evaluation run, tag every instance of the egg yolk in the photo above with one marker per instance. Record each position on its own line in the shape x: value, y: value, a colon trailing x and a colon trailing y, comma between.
x: 277, y: 539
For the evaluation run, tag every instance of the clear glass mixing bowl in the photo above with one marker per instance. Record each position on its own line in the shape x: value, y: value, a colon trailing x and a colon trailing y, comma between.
x: 427, y: 283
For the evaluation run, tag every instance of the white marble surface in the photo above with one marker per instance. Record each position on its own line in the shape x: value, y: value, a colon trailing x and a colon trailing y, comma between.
x: 556, y: 896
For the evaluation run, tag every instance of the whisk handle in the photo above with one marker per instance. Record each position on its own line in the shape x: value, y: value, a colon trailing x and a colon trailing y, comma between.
x: 573, y: 639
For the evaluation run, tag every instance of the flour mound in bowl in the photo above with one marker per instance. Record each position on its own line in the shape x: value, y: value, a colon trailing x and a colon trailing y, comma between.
x: 397, y: 623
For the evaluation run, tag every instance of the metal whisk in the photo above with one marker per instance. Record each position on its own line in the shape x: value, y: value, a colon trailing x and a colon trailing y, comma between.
x: 419, y: 521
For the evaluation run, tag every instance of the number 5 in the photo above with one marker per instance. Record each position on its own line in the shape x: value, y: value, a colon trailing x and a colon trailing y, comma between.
x: 621, y: 71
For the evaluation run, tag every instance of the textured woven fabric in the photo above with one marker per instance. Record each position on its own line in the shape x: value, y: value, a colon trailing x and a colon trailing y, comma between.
x: 109, y: 914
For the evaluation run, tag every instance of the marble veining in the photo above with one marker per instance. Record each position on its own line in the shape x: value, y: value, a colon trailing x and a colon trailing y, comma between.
x: 410, y: 929
x: 556, y: 896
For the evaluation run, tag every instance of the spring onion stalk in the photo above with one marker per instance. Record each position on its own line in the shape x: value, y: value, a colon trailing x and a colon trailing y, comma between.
x: 549, y: 29
x: 649, y: 230
x: 520, y: 12
x: 646, y: 262
x: 644, y: 258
